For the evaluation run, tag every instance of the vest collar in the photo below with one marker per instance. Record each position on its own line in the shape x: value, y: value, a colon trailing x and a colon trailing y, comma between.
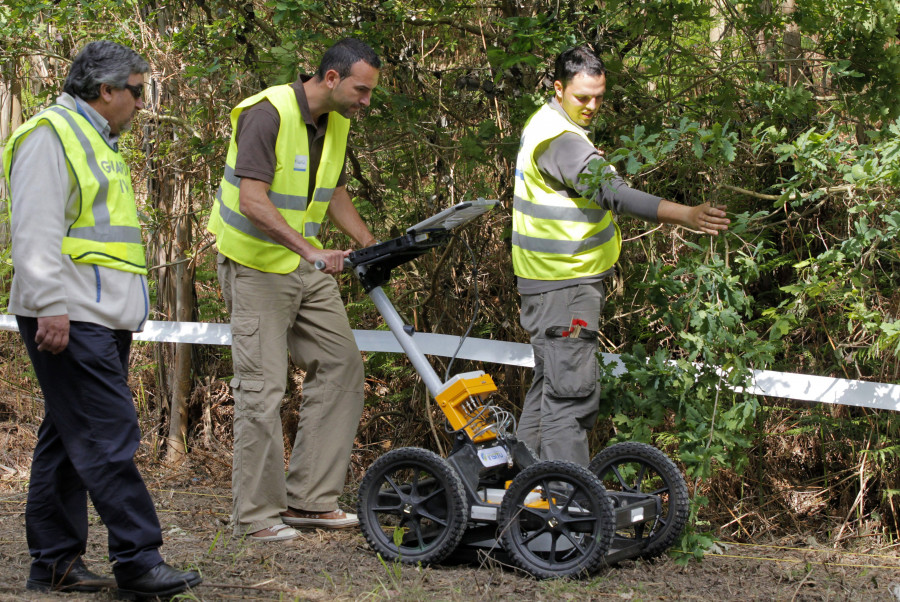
x: 97, y: 120
x: 303, y: 103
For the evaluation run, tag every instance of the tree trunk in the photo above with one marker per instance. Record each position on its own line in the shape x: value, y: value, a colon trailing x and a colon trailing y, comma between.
x: 767, y: 47
x: 10, y: 119
x: 176, y: 447
x: 716, y: 31
x: 792, y: 52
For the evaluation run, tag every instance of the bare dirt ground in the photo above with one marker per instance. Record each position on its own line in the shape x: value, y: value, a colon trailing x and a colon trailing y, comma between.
x: 193, y: 507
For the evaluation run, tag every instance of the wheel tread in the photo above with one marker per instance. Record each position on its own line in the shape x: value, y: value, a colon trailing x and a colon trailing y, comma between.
x: 602, y: 510
x: 456, y: 502
x: 679, y: 500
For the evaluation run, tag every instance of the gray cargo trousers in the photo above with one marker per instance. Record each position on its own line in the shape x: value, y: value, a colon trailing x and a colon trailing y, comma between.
x: 562, y: 403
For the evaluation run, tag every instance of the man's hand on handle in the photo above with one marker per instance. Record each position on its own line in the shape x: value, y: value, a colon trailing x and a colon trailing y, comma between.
x: 328, y: 260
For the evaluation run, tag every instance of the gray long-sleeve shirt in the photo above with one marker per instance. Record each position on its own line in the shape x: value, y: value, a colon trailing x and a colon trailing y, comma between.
x: 45, y: 202
x: 561, y: 161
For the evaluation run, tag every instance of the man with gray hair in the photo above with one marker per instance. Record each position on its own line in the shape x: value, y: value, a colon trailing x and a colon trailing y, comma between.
x: 79, y: 290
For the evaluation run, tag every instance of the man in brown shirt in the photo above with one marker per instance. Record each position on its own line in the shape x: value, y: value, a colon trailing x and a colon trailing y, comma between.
x: 284, y: 167
x: 257, y: 131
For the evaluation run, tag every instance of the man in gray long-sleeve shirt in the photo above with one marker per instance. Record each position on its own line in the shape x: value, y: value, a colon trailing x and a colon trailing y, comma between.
x: 79, y: 291
x: 565, y: 243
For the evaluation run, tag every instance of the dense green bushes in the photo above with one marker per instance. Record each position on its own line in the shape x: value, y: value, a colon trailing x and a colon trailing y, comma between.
x: 786, y: 116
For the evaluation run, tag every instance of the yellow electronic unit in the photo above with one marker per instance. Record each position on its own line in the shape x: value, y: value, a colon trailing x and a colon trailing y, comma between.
x: 462, y: 401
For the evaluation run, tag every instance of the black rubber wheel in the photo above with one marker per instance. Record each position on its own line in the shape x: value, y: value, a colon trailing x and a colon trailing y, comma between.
x: 640, y: 468
x: 556, y: 520
x: 412, y: 506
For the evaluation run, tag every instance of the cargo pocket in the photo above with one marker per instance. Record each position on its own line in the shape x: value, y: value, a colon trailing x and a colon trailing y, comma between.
x: 571, y: 367
x: 245, y: 347
x: 247, y: 399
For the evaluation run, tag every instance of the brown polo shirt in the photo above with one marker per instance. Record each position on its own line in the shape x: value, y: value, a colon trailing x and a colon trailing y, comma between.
x: 257, y: 130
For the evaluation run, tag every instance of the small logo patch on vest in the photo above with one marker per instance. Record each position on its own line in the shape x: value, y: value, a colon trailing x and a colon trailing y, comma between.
x: 300, y: 162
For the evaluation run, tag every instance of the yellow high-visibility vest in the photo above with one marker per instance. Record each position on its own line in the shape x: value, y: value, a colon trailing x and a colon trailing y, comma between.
x: 106, y: 230
x: 236, y: 237
x: 556, y: 236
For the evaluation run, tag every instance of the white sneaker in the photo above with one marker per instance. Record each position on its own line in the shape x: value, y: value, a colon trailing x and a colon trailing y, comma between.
x: 336, y: 519
x: 280, y: 532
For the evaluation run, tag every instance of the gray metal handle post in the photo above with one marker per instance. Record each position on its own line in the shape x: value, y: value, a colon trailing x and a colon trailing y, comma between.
x: 415, y: 355
x: 395, y: 324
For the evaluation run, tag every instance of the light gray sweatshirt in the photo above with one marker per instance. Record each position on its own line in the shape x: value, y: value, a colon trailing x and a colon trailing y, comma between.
x: 45, y: 202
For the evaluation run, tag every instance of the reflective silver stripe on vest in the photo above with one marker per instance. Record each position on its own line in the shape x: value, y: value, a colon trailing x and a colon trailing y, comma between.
x: 102, y: 231
x: 557, y: 187
x: 323, y: 195
x: 290, y: 202
x: 239, y: 222
x: 107, y: 234
x: 552, y: 213
x: 563, y: 191
x: 564, y: 247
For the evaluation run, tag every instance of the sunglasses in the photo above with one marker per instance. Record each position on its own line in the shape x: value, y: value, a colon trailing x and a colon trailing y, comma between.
x: 136, y: 91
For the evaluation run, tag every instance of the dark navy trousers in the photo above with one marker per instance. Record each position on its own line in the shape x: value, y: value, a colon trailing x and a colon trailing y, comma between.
x: 86, y: 446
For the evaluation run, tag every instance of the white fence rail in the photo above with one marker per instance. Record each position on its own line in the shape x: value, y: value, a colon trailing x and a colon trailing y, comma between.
x: 786, y: 385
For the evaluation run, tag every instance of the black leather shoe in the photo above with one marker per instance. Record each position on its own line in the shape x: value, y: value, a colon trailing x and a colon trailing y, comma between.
x: 161, y: 580
x: 75, y: 578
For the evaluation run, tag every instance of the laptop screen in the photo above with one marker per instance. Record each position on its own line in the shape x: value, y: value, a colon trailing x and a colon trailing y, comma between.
x: 454, y: 216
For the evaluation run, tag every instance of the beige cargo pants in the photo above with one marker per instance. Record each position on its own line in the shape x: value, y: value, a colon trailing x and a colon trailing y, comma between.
x: 272, y: 315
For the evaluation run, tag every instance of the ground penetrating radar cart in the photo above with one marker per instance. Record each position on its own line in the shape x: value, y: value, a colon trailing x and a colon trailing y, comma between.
x: 552, y: 519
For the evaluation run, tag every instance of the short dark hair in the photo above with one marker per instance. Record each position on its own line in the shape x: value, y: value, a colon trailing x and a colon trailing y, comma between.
x: 102, y: 62
x: 577, y: 59
x: 344, y: 54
